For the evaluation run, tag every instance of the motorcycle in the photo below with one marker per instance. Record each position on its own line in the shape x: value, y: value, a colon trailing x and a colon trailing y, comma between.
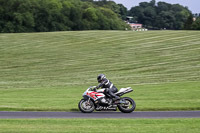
x: 101, y: 101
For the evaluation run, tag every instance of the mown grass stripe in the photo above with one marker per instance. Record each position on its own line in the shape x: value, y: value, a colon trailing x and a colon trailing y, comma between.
x: 51, y: 70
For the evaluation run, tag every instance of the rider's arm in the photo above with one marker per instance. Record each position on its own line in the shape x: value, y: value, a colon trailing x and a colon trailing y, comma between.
x: 101, y: 84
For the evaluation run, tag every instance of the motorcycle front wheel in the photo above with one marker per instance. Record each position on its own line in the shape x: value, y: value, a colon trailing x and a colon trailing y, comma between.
x: 86, y: 106
x: 128, y: 106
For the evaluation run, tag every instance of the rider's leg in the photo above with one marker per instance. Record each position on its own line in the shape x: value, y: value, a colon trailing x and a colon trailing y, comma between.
x: 112, y: 92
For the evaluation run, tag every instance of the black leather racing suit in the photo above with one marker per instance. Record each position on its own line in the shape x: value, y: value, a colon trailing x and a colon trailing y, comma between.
x: 109, y: 88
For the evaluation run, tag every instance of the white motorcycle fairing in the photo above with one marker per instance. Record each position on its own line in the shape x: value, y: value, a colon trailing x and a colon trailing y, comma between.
x: 94, y: 95
x: 123, y: 91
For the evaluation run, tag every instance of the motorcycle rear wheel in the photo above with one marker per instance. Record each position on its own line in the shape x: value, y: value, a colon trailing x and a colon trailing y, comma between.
x: 86, y: 106
x: 127, y: 107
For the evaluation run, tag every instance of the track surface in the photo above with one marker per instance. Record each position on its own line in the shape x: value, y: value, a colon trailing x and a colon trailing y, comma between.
x: 137, y: 114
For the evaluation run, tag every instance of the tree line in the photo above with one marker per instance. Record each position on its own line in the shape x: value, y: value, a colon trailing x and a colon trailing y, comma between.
x: 56, y: 15
x: 63, y: 15
x: 152, y: 15
x: 160, y: 15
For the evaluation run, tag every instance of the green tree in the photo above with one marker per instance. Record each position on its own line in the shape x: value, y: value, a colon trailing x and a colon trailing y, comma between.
x: 189, y: 22
x: 137, y: 13
x: 196, y: 24
x: 167, y: 20
x: 149, y: 16
x: 90, y: 18
x: 163, y: 6
x: 123, y: 11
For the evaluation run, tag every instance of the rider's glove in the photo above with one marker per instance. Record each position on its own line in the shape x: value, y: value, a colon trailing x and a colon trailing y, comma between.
x: 95, y: 89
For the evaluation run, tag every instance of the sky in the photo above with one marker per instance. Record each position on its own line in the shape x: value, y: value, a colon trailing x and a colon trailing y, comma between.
x: 193, y: 5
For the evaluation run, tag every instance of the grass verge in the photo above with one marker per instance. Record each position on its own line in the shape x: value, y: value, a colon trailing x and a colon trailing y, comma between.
x: 100, y: 125
x: 162, y: 97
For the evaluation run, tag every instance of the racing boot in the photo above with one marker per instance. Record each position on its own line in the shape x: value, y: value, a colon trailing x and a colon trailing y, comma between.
x: 117, y: 99
x: 110, y: 102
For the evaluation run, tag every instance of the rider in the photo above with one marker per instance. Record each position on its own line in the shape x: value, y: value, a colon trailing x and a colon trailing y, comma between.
x: 109, y: 87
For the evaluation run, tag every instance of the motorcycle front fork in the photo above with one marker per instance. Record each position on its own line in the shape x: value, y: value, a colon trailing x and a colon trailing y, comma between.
x: 88, y: 102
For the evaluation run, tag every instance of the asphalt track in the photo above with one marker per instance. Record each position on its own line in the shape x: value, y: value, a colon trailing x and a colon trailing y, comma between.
x: 137, y: 114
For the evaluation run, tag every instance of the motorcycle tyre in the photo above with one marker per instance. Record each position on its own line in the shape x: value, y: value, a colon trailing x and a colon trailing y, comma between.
x: 127, y: 110
x: 86, y: 111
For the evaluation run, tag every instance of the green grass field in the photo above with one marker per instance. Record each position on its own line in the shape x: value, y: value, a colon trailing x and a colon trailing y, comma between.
x: 50, y: 71
x: 100, y: 125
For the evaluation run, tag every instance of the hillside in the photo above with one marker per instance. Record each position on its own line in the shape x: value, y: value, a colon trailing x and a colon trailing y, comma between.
x: 37, y: 62
x: 76, y: 58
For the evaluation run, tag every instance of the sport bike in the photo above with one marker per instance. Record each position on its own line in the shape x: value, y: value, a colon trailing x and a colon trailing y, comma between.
x: 101, y: 101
